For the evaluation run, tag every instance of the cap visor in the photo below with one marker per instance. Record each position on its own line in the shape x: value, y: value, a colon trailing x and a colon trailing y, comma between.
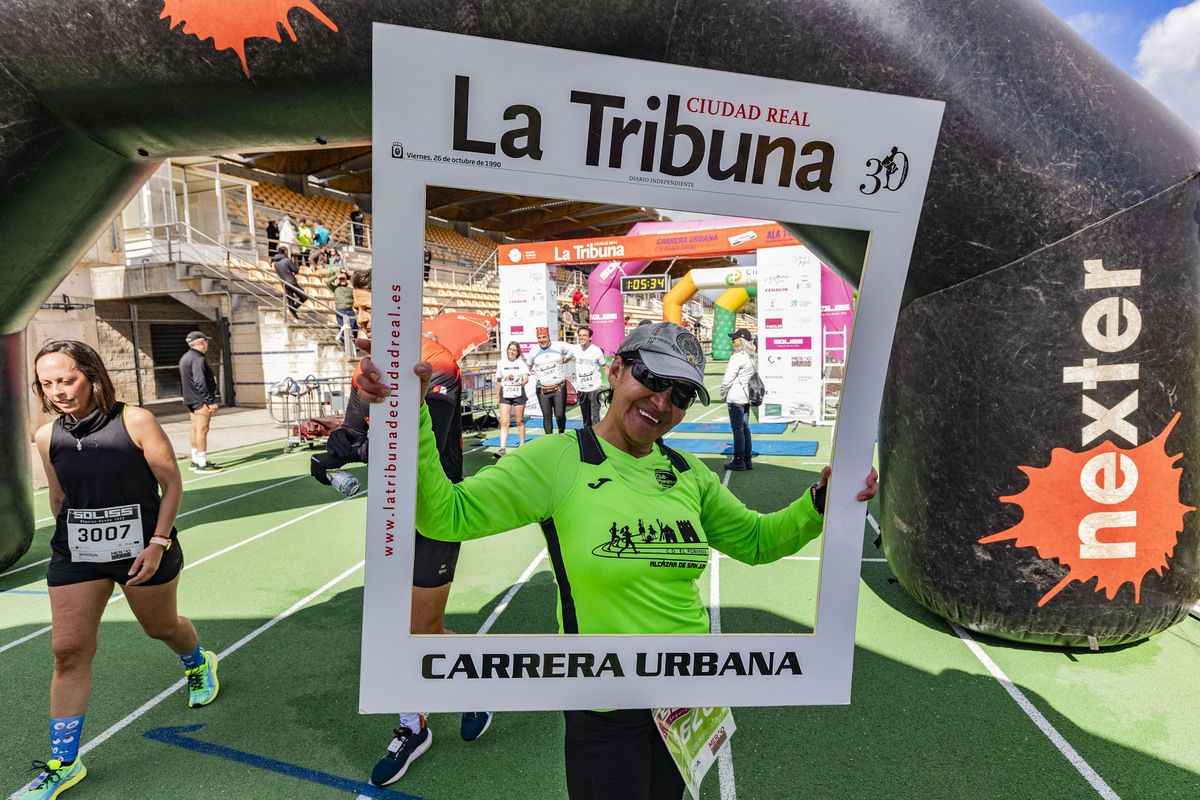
x: 677, y: 369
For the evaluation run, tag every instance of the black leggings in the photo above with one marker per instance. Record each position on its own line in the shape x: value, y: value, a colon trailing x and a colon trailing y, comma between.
x: 558, y: 399
x: 589, y: 407
x: 295, y: 297
x: 618, y: 754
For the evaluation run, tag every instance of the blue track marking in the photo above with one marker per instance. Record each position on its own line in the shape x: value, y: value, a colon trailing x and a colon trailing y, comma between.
x: 176, y: 737
x: 708, y: 446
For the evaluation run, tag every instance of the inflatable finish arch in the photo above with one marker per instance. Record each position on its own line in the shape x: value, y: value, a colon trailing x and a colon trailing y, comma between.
x: 1046, y: 348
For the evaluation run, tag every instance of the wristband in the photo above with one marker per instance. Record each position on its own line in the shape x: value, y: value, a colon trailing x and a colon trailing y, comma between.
x: 818, y: 497
x: 163, y: 541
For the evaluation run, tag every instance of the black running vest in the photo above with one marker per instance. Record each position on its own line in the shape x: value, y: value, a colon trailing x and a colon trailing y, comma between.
x: 100, y: 470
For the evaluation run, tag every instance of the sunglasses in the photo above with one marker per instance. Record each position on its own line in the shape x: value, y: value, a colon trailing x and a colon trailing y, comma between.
x: 682, y: 394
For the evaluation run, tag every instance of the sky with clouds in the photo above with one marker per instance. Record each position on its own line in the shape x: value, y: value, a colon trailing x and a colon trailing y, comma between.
x: 1156, y: 41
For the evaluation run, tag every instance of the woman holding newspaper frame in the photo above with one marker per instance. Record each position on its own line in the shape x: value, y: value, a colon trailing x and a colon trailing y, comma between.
x: 599, y: 494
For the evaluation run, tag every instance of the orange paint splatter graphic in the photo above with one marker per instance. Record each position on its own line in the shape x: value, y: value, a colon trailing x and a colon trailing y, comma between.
x: 1106, y: 513
x: 230, y: 24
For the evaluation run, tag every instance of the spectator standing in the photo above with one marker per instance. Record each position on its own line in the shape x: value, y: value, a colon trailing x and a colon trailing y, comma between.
x: 576, y: 298
x: 200, y: 396
x: 589, y: 369
x: 287, y: 233
x: 356, y: 225
x: 287, y: 271
x: 320, y: 234
x: 272, y: 238
x: 568, y: 322
x: 584, y: 313
x: 428, y: 262
x: 735, y: 391
x: 113, y: 460
x: 343, y: 301
x: 304, y: 238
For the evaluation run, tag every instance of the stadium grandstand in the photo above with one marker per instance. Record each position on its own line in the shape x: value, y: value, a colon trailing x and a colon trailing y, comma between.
x: 190, y: 252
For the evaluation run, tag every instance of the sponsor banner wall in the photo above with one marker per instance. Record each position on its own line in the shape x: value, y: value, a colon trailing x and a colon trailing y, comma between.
x: 681, y: 244
x: 789, y: 334
x: 528, y: 301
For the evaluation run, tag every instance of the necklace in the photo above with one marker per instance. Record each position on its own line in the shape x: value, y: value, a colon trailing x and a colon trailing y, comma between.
x: 80, y: 428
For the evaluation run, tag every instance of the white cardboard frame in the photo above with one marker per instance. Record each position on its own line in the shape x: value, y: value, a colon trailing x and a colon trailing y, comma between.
x: 414, y: 145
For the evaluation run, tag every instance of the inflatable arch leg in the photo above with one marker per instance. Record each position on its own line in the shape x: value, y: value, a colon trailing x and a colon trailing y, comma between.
x: 725, y: 320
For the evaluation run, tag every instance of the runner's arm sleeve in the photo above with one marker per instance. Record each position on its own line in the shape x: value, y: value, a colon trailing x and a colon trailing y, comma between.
x: 516, y: 491
x: 750, y: 537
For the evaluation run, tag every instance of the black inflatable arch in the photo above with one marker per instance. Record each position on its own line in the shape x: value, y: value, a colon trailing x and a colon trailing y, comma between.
x: 1052, y: 166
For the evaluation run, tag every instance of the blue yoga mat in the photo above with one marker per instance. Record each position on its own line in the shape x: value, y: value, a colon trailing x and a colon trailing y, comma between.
x: 762, y: 428
x: 761, y: 448
x: 797, y: 448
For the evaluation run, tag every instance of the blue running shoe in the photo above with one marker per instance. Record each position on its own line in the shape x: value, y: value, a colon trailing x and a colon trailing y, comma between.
x: 56, y: 778
x: 403, y: 750
x: 202, y: 681
x: 474, y: 723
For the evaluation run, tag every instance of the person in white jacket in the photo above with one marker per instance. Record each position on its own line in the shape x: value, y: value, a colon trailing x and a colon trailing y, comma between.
x: 735, y: 391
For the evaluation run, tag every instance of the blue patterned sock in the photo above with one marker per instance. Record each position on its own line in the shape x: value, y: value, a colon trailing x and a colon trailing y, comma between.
x: 64, y: 738
x: 193, y: 659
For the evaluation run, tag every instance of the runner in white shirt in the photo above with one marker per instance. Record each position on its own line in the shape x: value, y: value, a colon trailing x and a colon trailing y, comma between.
x: 547, y: 365
x: 512, y: 373
x: 589, y: 367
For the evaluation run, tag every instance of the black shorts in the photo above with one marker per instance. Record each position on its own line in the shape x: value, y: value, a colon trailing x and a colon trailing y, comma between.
x: 194, y: 407
x: 434, y: 562
x: 64, y: 572
x: 514, y: 401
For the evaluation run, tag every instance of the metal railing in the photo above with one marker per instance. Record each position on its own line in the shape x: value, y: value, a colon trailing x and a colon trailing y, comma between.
x: 490, y: 263
x: 183, y: 243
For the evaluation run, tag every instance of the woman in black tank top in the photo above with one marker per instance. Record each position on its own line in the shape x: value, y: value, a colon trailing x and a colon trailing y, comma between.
x: 114, y: 489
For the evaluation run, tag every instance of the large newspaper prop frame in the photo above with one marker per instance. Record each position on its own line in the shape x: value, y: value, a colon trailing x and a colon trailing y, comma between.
x: 490, y: 115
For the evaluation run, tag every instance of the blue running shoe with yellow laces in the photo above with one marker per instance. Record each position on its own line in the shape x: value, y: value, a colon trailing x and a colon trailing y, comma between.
x: 202, y: 681
x: 56, y: 778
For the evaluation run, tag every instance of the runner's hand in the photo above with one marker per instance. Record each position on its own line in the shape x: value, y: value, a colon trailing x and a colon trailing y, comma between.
x: 367, y: 381
x: 424, y: 371
x: 145, y: 565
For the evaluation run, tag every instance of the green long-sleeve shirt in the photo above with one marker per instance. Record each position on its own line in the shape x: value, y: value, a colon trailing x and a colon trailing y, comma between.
x: 628, y: 537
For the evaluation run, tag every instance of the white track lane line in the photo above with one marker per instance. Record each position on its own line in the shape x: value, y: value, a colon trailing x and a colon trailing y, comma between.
x: 18, y: 569
x: 206, y: 477
x: 179, y: 516
x: 725, y: 755
x: 171, y: 690
x: 1031, y: 711
x: 117, y: 597
x: 511, y: 593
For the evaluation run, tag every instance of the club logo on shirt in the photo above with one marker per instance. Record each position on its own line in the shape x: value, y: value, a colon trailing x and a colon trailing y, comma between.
x: 662, y: 543
x: 665, y: 477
